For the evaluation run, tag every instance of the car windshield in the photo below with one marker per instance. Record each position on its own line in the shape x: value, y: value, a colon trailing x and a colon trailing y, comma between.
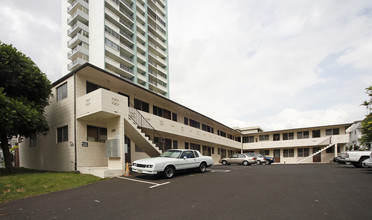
x: 171, y: 153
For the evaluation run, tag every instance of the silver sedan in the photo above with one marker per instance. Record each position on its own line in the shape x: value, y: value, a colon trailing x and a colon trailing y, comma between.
x: 244, y: 159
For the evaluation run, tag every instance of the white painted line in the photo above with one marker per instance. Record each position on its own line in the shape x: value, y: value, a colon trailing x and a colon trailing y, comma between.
x: 220, y: 171
x: 158, y: 185
x: 141, y: 181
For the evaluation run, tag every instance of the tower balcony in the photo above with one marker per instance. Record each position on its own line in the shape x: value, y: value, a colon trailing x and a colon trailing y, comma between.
x: 76, y: 28
x: 77, y: 40
x: 79, y: 15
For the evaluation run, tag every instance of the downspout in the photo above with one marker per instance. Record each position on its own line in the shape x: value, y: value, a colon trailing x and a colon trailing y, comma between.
x: 75, y: 163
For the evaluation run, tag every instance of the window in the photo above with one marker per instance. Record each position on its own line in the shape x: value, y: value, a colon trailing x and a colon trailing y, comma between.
x: 238, y: 139
x: 288, y: 136
x: 276, y: 137
x: 168, y: 144
x: 302, y: 134
x: 264, y: 137
x: 221, y: 133
x: 62, y: 134
x: 194, y: 124
x: 62, y: 92
x: 249, y: 139
x: 218, y: 151
x: 265, y: 152
x: 316, y: 133
x: 207, y: 128
x: 186, y: 145
x: 212, y: 150
x: 91, y: 87
x: 33, y: 141
x: 288, y: 152
x: 174, y: 116
x: 195, y: 146
x: 96, y: 134
x: 207, y: 151
x: 175, y: 144
x: 186, y: 121
x: 141, y: 105
x: 229, y: 136
x: 161, y: 112
x: 112, y: 44
x: 303, y: 152
x: 335, y: 131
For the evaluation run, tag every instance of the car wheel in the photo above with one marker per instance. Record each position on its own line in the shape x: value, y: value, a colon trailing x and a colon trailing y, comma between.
x: 267, y: 162
x: 202, y: 167
x: 169, y: 172
x: 224, y: 162
x: 361, y: 164
x: 259, y: 162
x: 245, y: 163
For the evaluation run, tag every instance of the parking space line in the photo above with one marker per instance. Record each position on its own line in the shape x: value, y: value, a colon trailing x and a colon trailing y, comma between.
x: 141, y: 181
x: 220, y: 171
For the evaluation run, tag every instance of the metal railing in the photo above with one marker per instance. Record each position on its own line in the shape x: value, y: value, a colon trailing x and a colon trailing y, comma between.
x: 146, y: 127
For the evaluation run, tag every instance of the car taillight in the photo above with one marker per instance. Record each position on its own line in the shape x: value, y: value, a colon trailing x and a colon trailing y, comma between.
x: 254, y: 158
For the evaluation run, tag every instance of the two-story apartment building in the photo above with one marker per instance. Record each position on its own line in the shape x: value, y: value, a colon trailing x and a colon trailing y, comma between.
x: 98, y: 121
x: 298, y: 145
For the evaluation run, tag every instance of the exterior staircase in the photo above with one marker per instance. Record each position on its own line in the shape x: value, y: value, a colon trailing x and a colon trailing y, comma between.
x: 328, y: 140
x: 138, y: 129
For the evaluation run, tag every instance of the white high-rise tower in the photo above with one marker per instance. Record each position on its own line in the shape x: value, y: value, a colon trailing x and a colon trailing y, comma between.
x: 126, y: 37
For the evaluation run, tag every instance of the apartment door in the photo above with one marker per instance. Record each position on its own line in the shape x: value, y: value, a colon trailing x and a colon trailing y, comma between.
x: 317, y: 158
x: 276, y: 156
x: 127, y: 155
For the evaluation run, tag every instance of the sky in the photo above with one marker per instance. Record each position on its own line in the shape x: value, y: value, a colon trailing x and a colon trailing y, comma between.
x: 268, y: 63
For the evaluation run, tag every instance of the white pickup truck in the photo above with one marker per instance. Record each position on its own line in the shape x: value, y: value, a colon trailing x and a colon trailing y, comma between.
x: 356, y: 157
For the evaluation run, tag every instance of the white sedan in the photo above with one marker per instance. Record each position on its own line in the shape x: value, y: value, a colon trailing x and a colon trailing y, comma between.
x: 171, y: 160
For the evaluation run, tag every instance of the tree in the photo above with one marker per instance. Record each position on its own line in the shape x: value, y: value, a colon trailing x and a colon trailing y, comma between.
x: 24, y: 93
x: 367, y: 122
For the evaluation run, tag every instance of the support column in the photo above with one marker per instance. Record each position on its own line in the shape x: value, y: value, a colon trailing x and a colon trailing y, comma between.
x: 241, y: 141
x: 335, y: 149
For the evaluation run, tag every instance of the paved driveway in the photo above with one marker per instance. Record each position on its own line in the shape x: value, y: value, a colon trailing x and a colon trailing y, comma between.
x: 224, y: 192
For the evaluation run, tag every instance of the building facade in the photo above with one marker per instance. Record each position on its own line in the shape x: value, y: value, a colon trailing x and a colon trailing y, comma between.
x: 128, y: 38
x: 300, y: 145
x: 98, y: 121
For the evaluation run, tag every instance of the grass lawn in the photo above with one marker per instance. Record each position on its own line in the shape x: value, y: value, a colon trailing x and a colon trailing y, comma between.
x: 25, y: 183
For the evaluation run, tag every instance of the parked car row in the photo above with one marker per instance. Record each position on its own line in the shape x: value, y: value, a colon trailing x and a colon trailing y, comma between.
x: 247, y: 159
x: 174, y: 160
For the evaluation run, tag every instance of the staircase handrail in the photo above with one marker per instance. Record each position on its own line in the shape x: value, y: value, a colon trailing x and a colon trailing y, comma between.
x: 319, y: 151
x: 132, y: 115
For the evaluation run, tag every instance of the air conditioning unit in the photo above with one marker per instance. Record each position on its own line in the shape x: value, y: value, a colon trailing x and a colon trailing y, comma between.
x: 113, y: 148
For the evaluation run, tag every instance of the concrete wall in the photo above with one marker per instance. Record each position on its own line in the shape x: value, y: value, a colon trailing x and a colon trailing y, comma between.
x: 48, y: 154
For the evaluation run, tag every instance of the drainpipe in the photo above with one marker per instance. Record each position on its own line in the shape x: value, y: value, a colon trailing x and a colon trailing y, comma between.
x: 75, y: 163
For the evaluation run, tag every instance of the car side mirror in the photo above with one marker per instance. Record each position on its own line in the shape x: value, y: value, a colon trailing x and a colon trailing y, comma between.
x: 184, y: 157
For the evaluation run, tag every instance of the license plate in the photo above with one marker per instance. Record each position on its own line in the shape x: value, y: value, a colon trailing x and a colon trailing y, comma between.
x: 139, y: 171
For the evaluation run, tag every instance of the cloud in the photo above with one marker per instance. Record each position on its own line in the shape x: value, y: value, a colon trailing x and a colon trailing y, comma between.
x: 257, y: 59
x: 34, y: 32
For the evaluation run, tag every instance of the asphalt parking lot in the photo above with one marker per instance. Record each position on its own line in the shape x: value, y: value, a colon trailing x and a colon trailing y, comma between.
x: 224, y: 192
